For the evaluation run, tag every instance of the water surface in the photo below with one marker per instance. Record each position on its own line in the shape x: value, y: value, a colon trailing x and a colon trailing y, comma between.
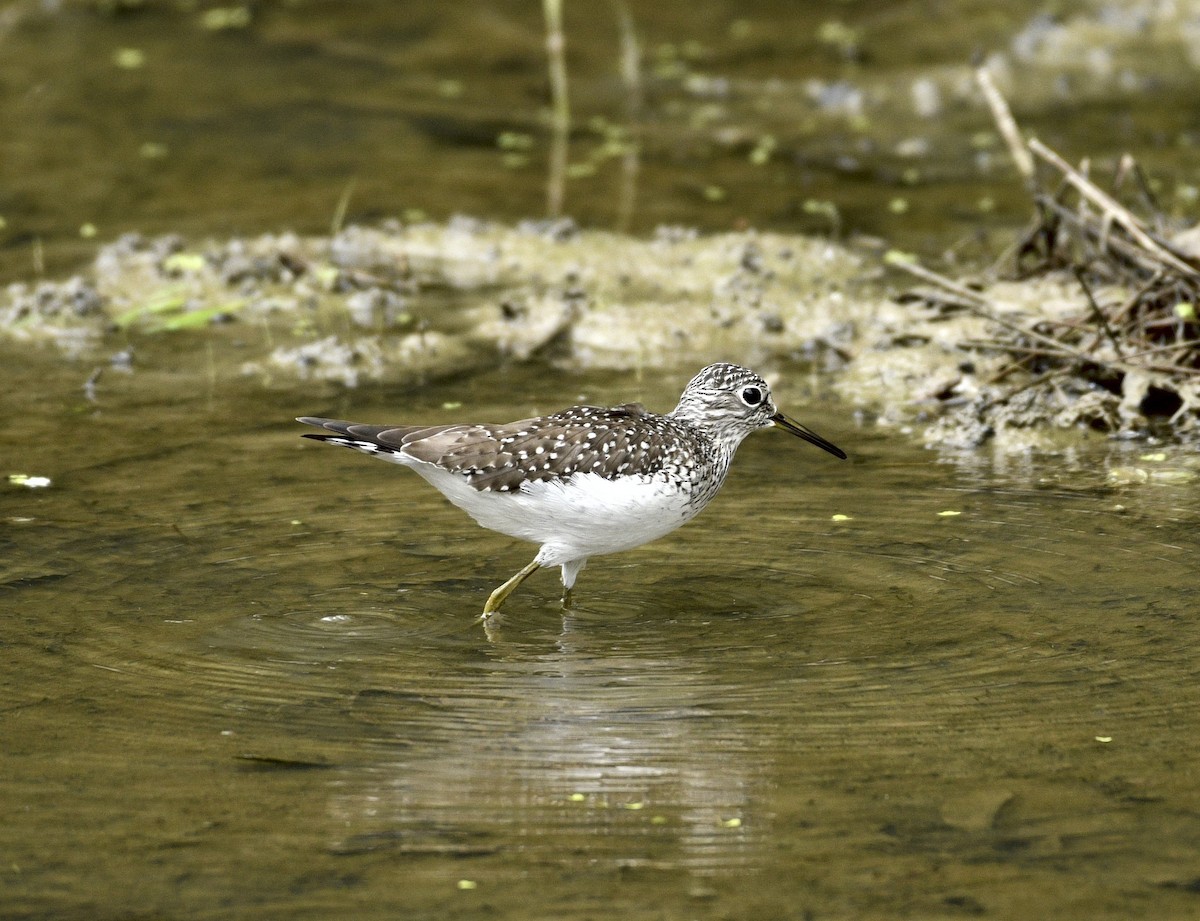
x: 242, y: 672
x: 847, y: 119
x: 244, y: 677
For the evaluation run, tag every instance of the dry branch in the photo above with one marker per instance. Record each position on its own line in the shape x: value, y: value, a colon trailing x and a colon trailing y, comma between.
x: 1140, y: 337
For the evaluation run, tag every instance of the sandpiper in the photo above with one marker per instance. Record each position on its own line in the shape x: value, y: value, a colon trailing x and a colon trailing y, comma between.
x: 587, y: 480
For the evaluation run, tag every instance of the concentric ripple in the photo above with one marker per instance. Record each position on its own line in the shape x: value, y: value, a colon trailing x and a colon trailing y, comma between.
x: 849, y: 662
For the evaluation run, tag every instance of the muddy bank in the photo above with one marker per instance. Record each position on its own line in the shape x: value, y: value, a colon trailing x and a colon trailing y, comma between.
x: 405, y: 303
x: 410, y: 304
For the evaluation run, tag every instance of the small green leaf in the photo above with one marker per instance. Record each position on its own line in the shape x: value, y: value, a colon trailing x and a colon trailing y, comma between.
x: 898, y: 257
x: 129, y: 58
x: 325, y: 274
x: 220, y: 18
x: 193, y: 319
x: 514, y: 140
x: 183, y: 262
x: 165, y: 312
x: 163, y: 301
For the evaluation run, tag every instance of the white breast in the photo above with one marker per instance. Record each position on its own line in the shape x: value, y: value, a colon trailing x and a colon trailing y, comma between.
x: 574, y: 518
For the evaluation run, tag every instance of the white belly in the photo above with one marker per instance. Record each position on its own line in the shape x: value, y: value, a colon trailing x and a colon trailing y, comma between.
x: 573, y: 519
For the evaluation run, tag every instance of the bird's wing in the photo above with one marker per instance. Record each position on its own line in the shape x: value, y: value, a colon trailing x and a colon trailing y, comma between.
x: 390, y: 437
x: 583, y: 439
x: 606, y: 442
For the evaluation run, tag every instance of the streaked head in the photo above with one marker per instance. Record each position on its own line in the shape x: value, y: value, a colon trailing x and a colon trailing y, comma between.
x: 730, y: 402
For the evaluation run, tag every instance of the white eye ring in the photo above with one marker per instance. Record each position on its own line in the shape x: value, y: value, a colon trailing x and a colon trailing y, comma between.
x: 752, y: 396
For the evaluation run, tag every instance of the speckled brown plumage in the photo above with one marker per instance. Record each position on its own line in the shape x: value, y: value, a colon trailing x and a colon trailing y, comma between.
x: 608, y: 442
x: 587, y: 480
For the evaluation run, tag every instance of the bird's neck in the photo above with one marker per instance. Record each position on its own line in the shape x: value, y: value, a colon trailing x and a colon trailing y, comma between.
x: 723, y: 434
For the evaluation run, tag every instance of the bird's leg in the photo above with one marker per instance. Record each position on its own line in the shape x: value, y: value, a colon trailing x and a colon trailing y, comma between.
x: 570, y: 572
x: 499, y: 595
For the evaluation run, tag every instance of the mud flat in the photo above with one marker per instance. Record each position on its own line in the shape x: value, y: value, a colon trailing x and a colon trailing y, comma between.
x: 1023, y: 363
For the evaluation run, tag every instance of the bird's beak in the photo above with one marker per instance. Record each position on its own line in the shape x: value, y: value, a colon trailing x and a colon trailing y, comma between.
x: 800, y: 431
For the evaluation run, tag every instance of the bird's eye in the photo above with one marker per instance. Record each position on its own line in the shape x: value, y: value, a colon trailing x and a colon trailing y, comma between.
x: 752, y: 396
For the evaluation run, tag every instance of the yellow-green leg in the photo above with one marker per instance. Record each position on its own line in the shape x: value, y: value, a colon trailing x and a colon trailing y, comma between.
x: 499, y: 595
x: 568, y: 601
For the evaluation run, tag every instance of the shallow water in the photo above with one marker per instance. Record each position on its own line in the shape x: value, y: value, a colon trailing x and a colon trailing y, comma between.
x: 243, y: 677
x: 242, y: 672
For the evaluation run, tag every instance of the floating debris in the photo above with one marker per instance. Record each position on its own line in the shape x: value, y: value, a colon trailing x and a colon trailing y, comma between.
x: 31, y: 482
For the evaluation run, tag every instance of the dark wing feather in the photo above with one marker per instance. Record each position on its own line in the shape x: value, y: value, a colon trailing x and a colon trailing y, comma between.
x: 583, y: 439
x: 392, y: 438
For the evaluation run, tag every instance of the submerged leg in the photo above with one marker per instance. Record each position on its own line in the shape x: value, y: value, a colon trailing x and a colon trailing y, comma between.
x: 569, y: 573
x: 497, y: 597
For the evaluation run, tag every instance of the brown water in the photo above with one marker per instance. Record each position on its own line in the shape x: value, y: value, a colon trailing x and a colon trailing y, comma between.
x: 242, y: 672
x: 761, y: 114
x: 243, y: 678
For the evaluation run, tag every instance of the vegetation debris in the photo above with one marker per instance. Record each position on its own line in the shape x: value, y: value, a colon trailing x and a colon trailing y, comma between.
x: 1120, y: 354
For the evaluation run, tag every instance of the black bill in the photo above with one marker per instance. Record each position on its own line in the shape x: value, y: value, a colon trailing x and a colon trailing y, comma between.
x: 800, y: 431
